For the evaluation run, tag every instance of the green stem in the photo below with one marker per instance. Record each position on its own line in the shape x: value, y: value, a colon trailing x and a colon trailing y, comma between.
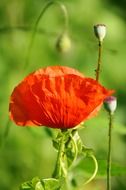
x: 64, y: 11
x: 94, y: 173
x: 99, y: 60
x: 95, y: 170
x: 109, y: 152
x: 59, y: 167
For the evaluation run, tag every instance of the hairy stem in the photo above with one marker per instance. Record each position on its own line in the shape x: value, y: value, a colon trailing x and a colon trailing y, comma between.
x: 109, y: 152
x: 99, y: 60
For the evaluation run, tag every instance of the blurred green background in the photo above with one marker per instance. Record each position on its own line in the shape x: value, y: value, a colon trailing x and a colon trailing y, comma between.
x: 26, y: 152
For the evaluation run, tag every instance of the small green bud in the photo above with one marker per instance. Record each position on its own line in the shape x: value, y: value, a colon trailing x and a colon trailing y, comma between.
x: 110, y: 104
x: 63, y: 43
x: 100, y: 31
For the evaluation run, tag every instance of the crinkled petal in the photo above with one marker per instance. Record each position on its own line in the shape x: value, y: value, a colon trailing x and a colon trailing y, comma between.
x: 59, y: 101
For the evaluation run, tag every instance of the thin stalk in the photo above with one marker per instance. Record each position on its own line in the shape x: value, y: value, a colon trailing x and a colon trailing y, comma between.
x: 95, y: 170
x: 94, y: 173
x: 65, y: 14
x: 99, y: 60
x: 109, y: 152
x: 34, y: 32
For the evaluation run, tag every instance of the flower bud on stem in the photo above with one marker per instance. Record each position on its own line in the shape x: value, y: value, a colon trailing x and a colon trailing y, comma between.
x: 109, y: 152
x: 100, y: 32
x: 63, y: 44
x: 110, y: 105
x: 65, y: 14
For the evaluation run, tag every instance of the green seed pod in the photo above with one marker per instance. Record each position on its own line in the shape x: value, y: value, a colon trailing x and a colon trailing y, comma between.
x: 100, y: 31
x: 63, y: 43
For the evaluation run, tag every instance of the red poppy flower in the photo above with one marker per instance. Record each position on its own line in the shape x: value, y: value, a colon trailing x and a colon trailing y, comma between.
x: 57, y: 97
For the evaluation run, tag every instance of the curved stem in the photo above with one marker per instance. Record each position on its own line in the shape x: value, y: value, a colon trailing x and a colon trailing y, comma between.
x: 109, y: 152
x: 65, y: 14
x: 94, y: 173
x: 99, y: 60
x: 95, y: 170
x: 64, y: 11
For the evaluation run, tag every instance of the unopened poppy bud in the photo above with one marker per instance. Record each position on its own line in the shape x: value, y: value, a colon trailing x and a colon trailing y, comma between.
x: 110, y: 104
x: 100, y: 31
x: 63, y: 43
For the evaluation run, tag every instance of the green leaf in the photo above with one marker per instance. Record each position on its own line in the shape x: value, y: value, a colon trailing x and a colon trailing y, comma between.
x: 44, y: 184
x: 34, y: 181
x: 26, y: 186
x: 39, y: 186
x: 58, y: 139
x: 34, y: 184
x: 49, y: 132
x: 87, y: 152
x: 51, y: 184
x: 78, y: 141
x: 55, y: 144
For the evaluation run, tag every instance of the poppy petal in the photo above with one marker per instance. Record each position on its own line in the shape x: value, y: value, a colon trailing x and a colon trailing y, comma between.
x: 60, y: 100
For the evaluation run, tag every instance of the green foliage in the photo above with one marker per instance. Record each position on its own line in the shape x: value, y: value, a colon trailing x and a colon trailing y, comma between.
x: 35, y: 184
x: 44, y: 184
x: 51, y: 183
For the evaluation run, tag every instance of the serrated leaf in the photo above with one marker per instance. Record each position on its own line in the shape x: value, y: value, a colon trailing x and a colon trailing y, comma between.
x: 34, y: 184
x: 87, y: 152
x: 57, y: 140
x: 26, y: 186
x: 51, y: 184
